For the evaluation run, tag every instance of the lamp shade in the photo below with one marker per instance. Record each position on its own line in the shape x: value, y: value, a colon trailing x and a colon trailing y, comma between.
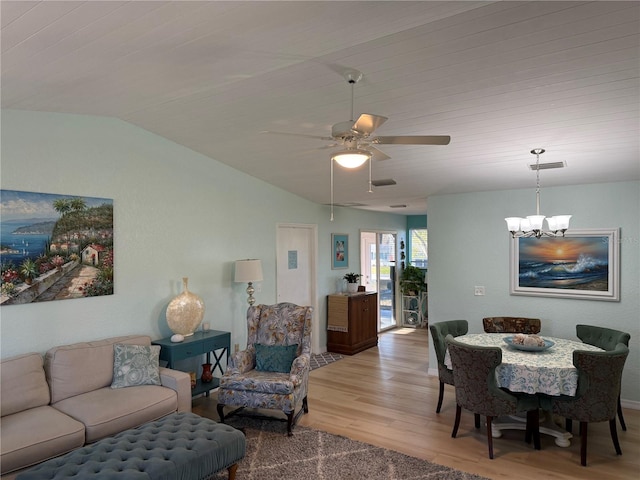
x: 249, y: 270
x: 351, y: 158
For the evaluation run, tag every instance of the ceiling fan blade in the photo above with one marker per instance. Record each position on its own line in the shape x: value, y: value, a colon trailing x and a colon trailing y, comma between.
x: 317, y: 137
x: 367, y: 123
x: 377, y: 155
x: 413, y: 140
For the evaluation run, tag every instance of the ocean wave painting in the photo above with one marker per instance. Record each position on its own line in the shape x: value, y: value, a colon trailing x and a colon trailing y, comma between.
x: 578, y: 265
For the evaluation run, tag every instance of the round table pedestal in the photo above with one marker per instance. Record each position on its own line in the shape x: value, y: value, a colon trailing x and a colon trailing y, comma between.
x: 547, y: 426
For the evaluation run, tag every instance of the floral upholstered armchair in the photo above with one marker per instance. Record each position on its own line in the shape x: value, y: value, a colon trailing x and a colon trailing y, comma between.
x: 273, y: 371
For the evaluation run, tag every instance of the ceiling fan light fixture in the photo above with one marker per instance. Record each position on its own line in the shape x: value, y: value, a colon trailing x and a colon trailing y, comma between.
x: 351, y: 157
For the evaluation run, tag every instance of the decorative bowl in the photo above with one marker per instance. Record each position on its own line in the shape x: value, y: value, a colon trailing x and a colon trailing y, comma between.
x: 528, y: 348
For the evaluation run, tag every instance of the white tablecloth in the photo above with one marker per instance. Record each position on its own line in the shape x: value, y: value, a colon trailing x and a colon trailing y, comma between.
x: 550, y: 371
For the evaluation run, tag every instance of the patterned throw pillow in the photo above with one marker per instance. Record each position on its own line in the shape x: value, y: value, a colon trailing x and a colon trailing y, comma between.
x: 275, y: 358
x: 135, y: 365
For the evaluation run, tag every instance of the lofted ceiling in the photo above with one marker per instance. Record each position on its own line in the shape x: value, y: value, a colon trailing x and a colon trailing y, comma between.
x: 500, y: 78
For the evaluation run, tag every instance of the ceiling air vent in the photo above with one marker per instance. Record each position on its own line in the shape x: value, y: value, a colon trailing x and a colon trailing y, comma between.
x: 383, y: 183
x: 547, y: 166
x: 350, y: 204
x: 398, y: 206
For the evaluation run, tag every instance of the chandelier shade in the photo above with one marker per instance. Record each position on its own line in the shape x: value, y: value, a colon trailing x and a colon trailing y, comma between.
x: 532, y: 225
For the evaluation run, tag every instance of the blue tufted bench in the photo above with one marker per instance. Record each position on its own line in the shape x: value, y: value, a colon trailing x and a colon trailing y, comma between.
x: 181, y: 446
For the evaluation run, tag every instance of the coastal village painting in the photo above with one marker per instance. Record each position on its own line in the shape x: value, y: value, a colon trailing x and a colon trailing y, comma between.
x: 54, y: 247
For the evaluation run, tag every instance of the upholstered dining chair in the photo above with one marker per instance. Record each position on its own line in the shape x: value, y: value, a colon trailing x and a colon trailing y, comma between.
x: 596, y: 400
x: 606, y: 339
x: 477, y: 390
x: 273, y: 371
x: 439, y: 331
x: 511, y: 325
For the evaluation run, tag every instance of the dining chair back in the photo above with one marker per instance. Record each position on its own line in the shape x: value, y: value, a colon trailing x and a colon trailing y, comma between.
x: 606, y: 339
x: 511, y: 325
x: 477, y: 390
x: 596, y: 400
x: 439, y: 331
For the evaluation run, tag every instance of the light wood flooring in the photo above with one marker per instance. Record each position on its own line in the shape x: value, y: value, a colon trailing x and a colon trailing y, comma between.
x: 384, y: 396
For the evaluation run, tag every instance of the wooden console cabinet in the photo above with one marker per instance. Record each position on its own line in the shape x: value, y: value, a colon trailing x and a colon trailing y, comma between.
x: 356, y: 314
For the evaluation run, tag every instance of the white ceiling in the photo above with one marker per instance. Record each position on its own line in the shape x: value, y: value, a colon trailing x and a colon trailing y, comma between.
x: 501, y: 78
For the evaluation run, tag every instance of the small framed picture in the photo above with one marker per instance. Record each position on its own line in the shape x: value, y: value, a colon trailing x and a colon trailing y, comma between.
x: 339, y: 250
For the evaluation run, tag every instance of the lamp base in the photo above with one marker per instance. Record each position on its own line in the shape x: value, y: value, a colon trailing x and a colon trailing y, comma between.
x: 250, y: 291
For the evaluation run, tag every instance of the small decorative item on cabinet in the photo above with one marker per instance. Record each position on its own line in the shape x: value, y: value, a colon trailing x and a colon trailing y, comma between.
x: 352, y: 281
x: 207, y: 375
x: 193, y: 379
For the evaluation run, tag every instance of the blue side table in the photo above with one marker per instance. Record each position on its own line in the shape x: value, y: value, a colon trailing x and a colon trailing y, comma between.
x: 214, y: 342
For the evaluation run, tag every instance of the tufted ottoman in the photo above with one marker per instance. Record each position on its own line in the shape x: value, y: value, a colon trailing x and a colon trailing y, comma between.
x: 181, y: 446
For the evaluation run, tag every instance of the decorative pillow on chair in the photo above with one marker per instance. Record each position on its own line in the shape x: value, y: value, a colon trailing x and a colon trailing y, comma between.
x: 275, y: 358
x: 135, y: 365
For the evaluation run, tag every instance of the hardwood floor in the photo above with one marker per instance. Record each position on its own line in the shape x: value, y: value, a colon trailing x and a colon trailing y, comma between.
x: 383, y: 396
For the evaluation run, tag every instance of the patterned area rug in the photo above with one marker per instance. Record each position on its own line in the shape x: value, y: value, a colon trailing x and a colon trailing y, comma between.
x: 315, y: 455
x: 322, y: 359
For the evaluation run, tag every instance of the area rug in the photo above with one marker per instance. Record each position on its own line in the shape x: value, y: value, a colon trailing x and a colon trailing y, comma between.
x: 315, y: 455
x: 322, y: 359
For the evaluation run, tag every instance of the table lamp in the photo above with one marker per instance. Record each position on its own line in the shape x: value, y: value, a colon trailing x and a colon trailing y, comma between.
x: 249, y: 271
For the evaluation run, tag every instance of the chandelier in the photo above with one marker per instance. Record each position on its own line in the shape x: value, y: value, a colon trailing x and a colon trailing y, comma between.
x: 531, y: 226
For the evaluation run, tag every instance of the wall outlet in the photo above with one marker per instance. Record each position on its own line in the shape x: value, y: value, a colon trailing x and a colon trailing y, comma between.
x: 478, y: 290
x: 236, y: 347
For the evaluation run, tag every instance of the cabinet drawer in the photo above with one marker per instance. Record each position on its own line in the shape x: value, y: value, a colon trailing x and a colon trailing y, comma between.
x: 186, y: 350
x: 221, y: 341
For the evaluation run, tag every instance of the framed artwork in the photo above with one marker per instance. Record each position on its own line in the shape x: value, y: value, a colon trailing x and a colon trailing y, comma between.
x: 54, y: 247
x: 584, y: 264
x: 339, y: 250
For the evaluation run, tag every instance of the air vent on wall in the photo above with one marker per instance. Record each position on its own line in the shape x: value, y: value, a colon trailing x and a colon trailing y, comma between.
x: 547, y: 166
x: 383, y: 183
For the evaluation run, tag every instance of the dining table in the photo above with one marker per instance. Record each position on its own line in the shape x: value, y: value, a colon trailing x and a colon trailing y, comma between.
x: 545, y: 370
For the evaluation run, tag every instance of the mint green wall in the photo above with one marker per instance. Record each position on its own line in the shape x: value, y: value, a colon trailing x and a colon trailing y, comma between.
x: 177, y: 214
x: 469, y: 245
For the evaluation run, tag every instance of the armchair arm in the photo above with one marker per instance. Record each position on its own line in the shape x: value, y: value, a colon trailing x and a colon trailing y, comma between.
x: 300, y: 369
x: 241, y: 362
x: 181, y: 383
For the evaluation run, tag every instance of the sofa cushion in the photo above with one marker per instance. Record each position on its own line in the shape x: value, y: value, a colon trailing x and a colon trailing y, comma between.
x: 35, y: 435
x: 22, y: 383
x: 107, y: 411
x: 135, y: 365
x: 83, y: 367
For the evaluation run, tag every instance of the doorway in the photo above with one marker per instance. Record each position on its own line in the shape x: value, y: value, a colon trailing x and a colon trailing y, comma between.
x: 296, y: 261
x: 378, y: 260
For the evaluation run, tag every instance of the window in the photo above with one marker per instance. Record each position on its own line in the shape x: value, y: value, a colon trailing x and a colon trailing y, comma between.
x: 419, y: 240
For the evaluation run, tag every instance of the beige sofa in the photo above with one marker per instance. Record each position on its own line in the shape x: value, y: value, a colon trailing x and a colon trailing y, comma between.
x: 52, y: 406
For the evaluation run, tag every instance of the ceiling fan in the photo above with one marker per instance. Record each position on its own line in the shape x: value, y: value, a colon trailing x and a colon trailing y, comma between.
x: 357, y: 136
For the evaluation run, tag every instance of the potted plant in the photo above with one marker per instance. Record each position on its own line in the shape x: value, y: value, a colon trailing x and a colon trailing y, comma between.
x: 352, y: 281
x: 412, y: 280
x: 29, y: 271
